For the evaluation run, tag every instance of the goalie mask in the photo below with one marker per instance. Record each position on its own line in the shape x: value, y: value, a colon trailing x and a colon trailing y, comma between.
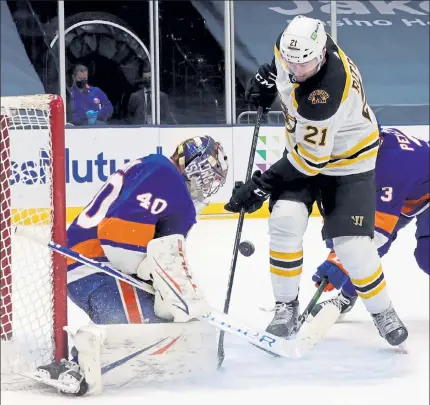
x: 203, y: 163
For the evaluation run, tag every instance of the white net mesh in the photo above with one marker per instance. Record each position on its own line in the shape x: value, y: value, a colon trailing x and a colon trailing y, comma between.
x: 27, y: 276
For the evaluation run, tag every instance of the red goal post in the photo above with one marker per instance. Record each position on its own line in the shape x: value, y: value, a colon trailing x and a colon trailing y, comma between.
x: 33, y: 194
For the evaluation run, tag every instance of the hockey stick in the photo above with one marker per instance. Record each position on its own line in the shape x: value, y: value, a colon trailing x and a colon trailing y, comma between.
x: 305, y: 314
x: 261, y: 339
x: 221, y: 352
x: 102, y: 267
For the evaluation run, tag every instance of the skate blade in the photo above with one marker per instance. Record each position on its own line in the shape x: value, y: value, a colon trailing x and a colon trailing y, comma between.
x: 403, y: 348
x: 62, y: 386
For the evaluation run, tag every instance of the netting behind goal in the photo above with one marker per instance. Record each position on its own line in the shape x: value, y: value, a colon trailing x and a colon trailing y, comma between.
x: 32, y: 192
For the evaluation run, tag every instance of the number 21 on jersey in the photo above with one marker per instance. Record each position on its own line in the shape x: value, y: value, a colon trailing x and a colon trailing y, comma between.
x: 315, y: 135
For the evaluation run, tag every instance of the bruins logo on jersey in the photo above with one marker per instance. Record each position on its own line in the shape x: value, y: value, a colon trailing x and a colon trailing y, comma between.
x: 318, y: 97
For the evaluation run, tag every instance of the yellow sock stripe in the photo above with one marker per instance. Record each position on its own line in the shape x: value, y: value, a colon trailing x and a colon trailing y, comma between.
x: 284, y: 272
x: 286, y: 256
x: 367, y: 280
x: 374, y: 292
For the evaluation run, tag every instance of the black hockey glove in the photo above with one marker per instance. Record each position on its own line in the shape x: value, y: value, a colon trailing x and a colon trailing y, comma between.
x: 261, y: 89
x: 247, y: 196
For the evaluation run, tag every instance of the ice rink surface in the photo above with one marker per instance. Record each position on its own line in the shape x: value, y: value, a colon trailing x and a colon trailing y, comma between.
x: 352, y: 365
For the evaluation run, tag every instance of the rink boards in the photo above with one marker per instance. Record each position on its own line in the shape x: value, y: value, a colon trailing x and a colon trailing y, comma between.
x: 92, y: 154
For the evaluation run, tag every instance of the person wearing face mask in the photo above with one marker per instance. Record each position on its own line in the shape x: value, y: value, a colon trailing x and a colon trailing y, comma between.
x: 90, y: 105
x: 141, y: 226
x: 139, y: 109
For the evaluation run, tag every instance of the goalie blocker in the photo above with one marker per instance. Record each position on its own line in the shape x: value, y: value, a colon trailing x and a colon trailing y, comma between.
x: 123, y: 355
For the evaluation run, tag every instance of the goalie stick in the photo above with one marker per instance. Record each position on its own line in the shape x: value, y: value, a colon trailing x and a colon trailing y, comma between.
x: 305, y: 314
x: 262, y: 339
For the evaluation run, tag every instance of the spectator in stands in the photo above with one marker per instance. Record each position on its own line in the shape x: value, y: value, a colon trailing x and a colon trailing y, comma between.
x: 89, y: 105
x: 139, y: 109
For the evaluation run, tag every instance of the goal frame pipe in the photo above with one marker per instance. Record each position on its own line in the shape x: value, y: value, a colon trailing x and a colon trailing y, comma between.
x: 58, y: 228
x: 59, y: 234
x: 6, y: 326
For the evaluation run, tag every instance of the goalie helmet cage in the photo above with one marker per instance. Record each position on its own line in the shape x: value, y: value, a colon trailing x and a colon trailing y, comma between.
x: 32, y: 192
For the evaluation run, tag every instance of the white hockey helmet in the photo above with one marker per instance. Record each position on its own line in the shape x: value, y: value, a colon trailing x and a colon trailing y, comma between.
x: 303, y: 40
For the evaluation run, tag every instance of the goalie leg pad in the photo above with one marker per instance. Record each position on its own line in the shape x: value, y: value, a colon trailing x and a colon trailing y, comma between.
x: 88, y: 341
x: 133, y: 355
x: 177, y: 297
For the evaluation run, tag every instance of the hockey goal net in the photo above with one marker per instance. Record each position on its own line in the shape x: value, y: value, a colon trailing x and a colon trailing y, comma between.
x: 32, y: 192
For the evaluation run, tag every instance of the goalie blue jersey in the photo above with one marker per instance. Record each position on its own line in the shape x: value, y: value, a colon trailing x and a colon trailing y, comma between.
x: 146, y: 199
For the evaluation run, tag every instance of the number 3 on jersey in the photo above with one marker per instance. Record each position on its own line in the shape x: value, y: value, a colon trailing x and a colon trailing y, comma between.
x: 388, y: 194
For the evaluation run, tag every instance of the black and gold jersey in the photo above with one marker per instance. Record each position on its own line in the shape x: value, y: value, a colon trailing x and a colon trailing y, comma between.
x: 330, y: 128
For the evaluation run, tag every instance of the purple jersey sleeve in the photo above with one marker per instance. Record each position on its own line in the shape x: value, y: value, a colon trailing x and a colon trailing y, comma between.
x: 154, y: 202
x: 402, y: 176
x: 422, y: 235
x: 146, y: 199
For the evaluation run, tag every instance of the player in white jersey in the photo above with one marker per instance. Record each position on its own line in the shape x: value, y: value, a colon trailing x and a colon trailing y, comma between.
x: 332, y: 143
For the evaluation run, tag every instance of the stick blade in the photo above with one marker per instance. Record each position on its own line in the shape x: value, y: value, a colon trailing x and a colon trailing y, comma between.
x: 314, y: 330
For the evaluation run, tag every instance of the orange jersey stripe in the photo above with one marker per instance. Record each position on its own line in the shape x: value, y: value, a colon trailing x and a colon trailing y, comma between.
x: 131, y: 304
x: 127, y: 232
x: 410, y: 205
x: 90, y: 248
x: 386, y: 222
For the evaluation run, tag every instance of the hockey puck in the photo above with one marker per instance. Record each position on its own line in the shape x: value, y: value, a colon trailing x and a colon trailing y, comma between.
x: 246, y: 248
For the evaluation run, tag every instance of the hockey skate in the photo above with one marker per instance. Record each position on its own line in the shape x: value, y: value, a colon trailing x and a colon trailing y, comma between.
x: 285, y: 320
x: 343, y: 302
x: 65, y: 376
x: 390, y: 327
